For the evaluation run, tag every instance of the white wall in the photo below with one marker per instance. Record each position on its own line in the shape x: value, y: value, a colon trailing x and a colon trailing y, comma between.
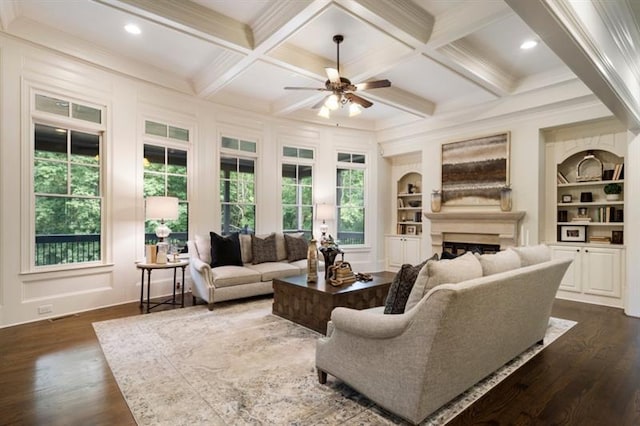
x: 128, y: 102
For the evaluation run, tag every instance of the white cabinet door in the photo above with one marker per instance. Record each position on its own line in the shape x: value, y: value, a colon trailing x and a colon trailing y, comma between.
x: 412, y: 251
x: 401, y: 250
x: 572, y: 278
x: 601, y: 271
x: 395, y: 251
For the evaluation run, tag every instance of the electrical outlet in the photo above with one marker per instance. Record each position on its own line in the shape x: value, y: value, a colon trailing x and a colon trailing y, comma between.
x: 45, y: 309
x: 178, y: 285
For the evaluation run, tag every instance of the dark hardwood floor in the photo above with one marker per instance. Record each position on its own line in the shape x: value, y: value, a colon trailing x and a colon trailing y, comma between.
x: 54, y: 373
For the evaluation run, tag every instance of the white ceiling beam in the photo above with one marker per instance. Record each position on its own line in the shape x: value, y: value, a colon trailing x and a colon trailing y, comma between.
x: 278, y: 23
x: 598, y: 41
x: 192, y: 19
x: 294, y: 101
x: 402, y: 19
x: 402, y: 100
x: 464, y: 19
x: 468, y: 62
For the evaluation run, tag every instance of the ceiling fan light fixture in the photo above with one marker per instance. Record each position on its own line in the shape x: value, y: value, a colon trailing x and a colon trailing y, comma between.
x: 354, y: 109
x: 324, y: 112
x: 333, y: 102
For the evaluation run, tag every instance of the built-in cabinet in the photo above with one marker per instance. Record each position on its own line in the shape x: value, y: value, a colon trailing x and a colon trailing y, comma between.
x: 596, y: 275
x: 402, y: 249
x: 583, y: 221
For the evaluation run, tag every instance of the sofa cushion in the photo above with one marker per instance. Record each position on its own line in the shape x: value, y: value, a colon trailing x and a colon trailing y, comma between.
x: 271, y: 270
x: 203, y: 245
x: 263, y: 249
x: 245, y: 248
x: 226, y: 276
x: 448, y: 271
x: 225, y: 251
x: 401, y: 287
x: 501, y: 261
x: 532, y: 255
x: 297, y: 247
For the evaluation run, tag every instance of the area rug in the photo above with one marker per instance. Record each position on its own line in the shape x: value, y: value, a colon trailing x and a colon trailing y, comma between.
x: 239, y: 364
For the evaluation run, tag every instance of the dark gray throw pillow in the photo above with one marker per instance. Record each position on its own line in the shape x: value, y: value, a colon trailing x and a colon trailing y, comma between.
x: 264, y: 249
x: 297, y: 247
x: 401, y: 286
x: 225, y: 251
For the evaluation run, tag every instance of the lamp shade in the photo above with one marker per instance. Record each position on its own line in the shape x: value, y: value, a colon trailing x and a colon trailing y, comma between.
x: 162, y: 208
x: 325, y: 212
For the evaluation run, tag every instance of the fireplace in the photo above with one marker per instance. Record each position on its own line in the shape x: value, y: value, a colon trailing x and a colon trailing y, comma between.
x: 463, y: 230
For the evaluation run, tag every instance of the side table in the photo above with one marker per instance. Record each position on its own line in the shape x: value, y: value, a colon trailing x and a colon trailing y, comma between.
x: 148, y: 267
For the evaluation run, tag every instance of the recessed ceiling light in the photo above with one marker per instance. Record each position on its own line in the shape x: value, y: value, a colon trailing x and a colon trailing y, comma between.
x: 132, y: 29
x: 528, y: 44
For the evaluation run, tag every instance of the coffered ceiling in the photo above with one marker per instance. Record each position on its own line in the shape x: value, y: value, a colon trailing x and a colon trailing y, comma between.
x: 440, y: 55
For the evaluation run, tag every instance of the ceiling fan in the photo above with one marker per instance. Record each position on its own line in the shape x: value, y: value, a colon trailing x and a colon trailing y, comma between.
x: 342, y: 89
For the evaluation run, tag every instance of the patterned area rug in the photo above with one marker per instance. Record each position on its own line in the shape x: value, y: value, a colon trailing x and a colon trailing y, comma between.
x: 242, y: 365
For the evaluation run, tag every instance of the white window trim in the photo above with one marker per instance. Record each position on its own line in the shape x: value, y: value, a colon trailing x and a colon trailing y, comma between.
x: 367, y: 224
x: 27, y: 225
x: 283, y: 159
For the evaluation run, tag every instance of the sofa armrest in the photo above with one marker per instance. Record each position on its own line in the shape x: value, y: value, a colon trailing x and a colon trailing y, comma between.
x: 199, y: 265
x: 369, y: 324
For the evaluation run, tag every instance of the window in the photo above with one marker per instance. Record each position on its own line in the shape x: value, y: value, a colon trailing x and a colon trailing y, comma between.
x: 67, y: 189
x: 297, y: 191
x: 166, y: 174
x: 350, y: 188
x: 237, y: 186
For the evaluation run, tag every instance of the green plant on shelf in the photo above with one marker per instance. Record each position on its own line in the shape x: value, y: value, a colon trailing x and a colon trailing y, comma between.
x: 612, y: 188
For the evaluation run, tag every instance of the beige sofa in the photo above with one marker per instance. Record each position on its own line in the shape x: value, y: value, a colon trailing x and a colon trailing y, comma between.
x: 413, y: 363
x: 234, y: 282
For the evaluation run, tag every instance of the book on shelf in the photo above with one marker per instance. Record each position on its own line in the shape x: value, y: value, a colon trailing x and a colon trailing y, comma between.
x: 581, y: 219
x: 618, y: 171
x: 562, y: 178
x: 600, y: 240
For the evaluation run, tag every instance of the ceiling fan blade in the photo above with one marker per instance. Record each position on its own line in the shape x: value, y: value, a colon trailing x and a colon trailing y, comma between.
x: 333, y: 75
x: 320, y: 89
x: 373, y: 84
x: 358, y: 100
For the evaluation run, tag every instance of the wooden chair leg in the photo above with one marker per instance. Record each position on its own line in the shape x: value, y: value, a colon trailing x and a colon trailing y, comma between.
x: 210, y: 306
x: 322, y: 377
x: 194, y: 300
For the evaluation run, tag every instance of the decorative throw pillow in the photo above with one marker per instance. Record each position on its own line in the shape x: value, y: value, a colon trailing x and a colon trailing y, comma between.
x: 225, y: 251
x: 296, y: 247
x: 453, y: 271
x: 532, y: 255
x: 501, y: 261
x: 264, y: 249
x: 401, y: 286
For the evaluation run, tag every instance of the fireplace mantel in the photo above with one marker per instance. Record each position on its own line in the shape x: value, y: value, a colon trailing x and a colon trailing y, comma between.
x: 486, y: 227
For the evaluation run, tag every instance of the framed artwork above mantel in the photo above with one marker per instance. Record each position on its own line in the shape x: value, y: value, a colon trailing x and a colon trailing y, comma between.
x: 474, y: 171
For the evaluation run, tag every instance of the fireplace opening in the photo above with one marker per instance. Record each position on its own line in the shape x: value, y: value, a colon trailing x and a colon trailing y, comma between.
x: 458, y: 248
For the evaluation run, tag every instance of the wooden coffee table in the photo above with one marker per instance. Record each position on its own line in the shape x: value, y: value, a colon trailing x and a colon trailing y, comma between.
x: 311, y: 304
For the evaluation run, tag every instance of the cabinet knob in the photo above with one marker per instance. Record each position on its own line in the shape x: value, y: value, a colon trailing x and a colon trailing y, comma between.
x: 586, y: 250
x: 578, y: 250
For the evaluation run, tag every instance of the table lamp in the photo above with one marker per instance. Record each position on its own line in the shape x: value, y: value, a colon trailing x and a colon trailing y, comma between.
x: 162, y: 208
x: 324, y: 212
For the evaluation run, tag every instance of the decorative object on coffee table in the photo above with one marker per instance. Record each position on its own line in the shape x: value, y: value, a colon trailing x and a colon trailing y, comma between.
x: 329, y: 253
x: 312, y: 262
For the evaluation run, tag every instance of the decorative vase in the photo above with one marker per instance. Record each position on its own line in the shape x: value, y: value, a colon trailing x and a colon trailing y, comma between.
x: 505, y: 199
x: 312, y: 262
x: 436, y: 201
